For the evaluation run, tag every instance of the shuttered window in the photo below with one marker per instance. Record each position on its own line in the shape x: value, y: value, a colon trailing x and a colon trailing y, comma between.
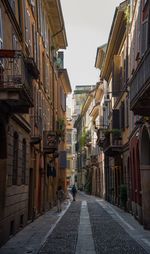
x: 63, y: 99
x: 39, y: 14
x: 12, y: 4
x: 145, y: 21
x: 122, y: 116
x: 63, y: 159
x: 1, y: 30
x: 37, y: 51
x: 116, y: 76
x: 27, y: 30
x: 115, y: 119
x: 34, y: 43
x: 127, y: 112
x: 68, y: 164
x: 14, y: 42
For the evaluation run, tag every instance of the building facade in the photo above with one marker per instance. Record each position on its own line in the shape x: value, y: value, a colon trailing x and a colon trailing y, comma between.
x: 31, y: 77
x: 126, y: 111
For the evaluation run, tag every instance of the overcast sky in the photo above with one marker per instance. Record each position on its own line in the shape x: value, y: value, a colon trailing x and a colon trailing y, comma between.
x: 87, y: 24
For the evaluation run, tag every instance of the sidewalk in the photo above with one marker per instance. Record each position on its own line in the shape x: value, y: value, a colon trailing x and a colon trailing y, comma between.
x: 33, y: 236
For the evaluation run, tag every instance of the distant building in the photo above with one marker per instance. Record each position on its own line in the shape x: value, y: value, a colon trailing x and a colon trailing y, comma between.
x: 70, y: 148
x: 79, y: 96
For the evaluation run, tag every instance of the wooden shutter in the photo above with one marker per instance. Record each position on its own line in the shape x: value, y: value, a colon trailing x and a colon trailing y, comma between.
x: 122, y: 115
x: 1, y: 30
x: 116, y: 76
x: 115, y: 119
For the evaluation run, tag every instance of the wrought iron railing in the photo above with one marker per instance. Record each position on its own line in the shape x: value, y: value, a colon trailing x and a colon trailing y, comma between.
x: 14, y: 73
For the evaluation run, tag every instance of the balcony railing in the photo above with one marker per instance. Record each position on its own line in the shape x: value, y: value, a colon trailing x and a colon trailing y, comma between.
x: 140, y: 87
x: 15, y: 81
x: 112, y: 145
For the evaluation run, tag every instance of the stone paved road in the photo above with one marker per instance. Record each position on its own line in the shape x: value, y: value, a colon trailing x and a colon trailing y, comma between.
x: 63, y: 239
x: 109, y: 237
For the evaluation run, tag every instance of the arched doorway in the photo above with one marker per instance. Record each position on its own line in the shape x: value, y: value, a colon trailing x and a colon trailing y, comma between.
x: 145, y: 175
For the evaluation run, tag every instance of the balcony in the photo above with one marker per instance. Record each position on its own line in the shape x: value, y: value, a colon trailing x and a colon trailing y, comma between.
x: 140, y: 87
x: 112, y: 145
x: 16, y: 92
x: 50, y: 142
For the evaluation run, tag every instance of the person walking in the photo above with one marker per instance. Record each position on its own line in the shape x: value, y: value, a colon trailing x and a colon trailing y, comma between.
x: 60, y: 197
x: 74, y: 191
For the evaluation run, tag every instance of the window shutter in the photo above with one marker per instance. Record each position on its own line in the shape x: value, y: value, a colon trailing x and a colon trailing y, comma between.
x: 116, y: 76
x: 32, y: 2
x: 39, y: 15
x: 122, y: 116
x: 34, y: 43
x: 115, y: 119
x: 1, y: 30
x: 127, y: 112
x: 144, y: 36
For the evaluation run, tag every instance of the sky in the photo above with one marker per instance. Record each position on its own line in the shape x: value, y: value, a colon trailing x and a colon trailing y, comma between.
x: 87, y: 24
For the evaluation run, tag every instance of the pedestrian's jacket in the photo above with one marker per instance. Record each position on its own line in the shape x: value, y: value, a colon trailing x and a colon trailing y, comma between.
x: 74, y: 190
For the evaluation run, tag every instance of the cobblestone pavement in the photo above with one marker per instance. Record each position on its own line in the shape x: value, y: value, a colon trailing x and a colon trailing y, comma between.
x: 32, y: 236
x: 63, y: 240
x: 109, y: 236
x: 79, y: 226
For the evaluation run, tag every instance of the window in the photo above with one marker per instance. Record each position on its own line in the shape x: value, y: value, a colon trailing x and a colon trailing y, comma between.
x: 122, y: 115
x: 34, y: 43
x: 144, y: 37
x: 14, y: 42
x: 15, y: 159
x: 127, y: 113
x: 12, y: 4
x: 37, y: 51
x: 1, y: 30
x: 63, y: 99
x: 27, y: 30
x: 68, y: 138
x: 39, y: 13
x: 49, y: 43
x: 32, y: 2
x: 116, y: 76
x: 20, y: 12
x: 68, y: 164
x: 23, y: 179
x: 43, y: 70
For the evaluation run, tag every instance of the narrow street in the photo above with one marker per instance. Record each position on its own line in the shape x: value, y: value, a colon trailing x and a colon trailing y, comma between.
x: 88, y: 225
